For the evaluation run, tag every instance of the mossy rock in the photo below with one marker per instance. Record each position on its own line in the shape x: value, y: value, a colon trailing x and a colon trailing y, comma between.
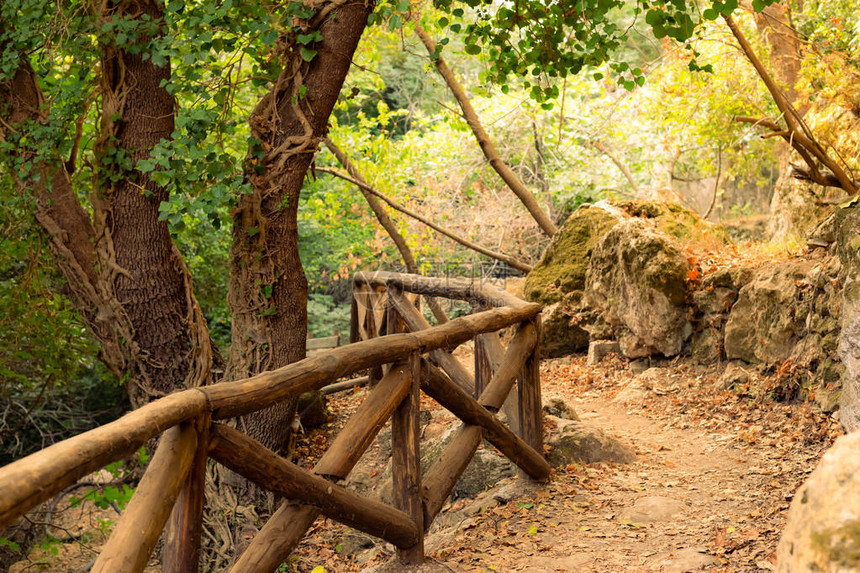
x: 674, y: 220
x: 564, y: 263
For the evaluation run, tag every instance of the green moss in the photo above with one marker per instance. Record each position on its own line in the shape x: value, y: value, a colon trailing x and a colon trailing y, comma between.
x: 841, y: 545
x: 563, y: 266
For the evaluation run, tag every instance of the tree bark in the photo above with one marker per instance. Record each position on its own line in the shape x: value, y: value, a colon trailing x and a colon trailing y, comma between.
x: 497, y: 163
x: 268, y: 287
x: 166, y: 340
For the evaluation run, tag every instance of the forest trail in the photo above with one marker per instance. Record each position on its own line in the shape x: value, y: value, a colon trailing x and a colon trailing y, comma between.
x: 714, y: 476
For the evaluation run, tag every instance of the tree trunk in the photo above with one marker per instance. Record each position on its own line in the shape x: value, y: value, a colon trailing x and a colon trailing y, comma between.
x: 166, y: 340
x: 268, y: 287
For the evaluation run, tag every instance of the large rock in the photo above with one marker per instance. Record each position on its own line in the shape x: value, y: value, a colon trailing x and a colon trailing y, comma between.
x: 848, y: 248
x: 559, y: 334
x: 563, y: 266
x: 822, y: 532
x: 762, y: 326
x: 637, y: 279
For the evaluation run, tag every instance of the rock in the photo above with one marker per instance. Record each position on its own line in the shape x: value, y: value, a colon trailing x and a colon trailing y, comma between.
x: 485, y: 470
x: 563, y: 266
x: 517, y: 489
x: 848, y: 249
x: 822, y: 531
x: 734, y: 376
x: 354, y: 541
x: 578, y: 443
x: 559, y: 336
x: 682, y: 561
x: 633, y: 392
x: 312, y: 409
x: 560, y: 409
x: 714, y: 300
x: 639, y: 366
x: 653, y: 508
x: 761, y: 327
x: 598, y: 349
x: 707, y: 344
x: 637, y: 279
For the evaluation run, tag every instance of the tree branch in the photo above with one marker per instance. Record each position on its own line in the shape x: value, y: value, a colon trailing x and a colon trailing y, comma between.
x: 450, y: 234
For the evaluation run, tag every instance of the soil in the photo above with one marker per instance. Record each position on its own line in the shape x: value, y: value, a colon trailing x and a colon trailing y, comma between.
x: 714, y: 476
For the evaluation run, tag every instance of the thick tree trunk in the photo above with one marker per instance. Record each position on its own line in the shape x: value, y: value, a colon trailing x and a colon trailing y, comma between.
x: 166, y: 339
x: 268, y: 288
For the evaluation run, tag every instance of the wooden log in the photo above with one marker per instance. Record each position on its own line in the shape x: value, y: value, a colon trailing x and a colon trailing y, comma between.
x: 252, y: 460
x: 495, y: 352
x: 483, y: 368
x: 344, y: 385
x: 182, y: 536
x: 462, y: 289
x: 462, y: 405
x: 232, y: 399
x: 279, y: 536
x: 440, y: 357
x: 140, y: 525
x: 443, y: 475
x: 531, y: 410
x: 521, y: 347
x: 406, y: 462
x: 354, y: 333
x: 27, y: 482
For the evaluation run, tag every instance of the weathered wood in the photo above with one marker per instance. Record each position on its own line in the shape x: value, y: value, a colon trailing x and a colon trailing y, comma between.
x: 406, y: 461
x: 495, y: 354
x: 483, y: 368
x: 344, y: 385
x: 531, y: 412
x: 354, y: 333
x: 251, y: 459
x: 184, y: 529
x: 521, y: 347
x: 325, y: 342
x: 461, y: 404
x: 440, y: 357
x: 442, y: 476
x: 475, y: 292
x: 140, y: 525
x: 231, y: 399
x: 27, y: 482
x: 359, y: 432
x: 279, y: 536
x: 445, y: 472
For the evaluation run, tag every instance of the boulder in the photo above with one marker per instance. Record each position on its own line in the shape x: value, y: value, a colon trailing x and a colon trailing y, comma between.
x: 576, y: 442
x: 761, y: 326
x: 848, y: 248
x: 560, y: 409
x: 559, y: 336
x: 822, y: 531
x: 598, y: 349
x: 637, y: 279
x: 563, y: 266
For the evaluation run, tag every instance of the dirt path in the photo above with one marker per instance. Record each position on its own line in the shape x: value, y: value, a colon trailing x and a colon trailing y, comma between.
x: 714, y: 475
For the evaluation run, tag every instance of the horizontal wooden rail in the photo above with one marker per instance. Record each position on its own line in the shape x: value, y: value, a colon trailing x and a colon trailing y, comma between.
x: 27, y: 482
x: 456, y: 288
x: 232, y: 399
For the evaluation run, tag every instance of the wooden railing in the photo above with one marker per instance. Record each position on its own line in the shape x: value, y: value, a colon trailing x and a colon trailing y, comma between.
x: 389, y: 337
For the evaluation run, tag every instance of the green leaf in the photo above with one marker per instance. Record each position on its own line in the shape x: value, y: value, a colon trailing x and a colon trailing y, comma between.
x: 307, y: 54
x: 472, y: 49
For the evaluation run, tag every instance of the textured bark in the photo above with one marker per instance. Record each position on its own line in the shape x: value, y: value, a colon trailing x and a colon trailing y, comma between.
x: 166, y: 338
x: 60, y: 213
x: 268, y: 287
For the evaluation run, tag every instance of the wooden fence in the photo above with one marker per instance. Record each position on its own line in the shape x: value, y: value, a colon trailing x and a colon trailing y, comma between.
x: 389, y: 337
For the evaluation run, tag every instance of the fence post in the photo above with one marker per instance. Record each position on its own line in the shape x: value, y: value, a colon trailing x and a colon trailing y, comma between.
x: 406, y: 461
x: 531, y: 412
x: 185, y: 526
